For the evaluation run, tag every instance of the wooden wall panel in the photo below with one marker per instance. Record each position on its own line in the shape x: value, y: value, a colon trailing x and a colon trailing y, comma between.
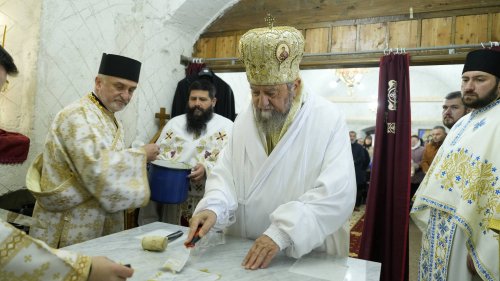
x: 372, y: 37
x: 343, y: 39
x: 317, y: 40
x: 495, y: 27
x: 436, y: 32
x: 238, y: 37
x: 366, y: 35
x: 403, y: 34
x: 225, y: 46
x: 247, y: 14
x: 205, y: 48
x: 471, y: 29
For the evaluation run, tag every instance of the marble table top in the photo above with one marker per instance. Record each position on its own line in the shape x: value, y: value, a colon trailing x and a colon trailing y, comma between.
x: 220, y: 262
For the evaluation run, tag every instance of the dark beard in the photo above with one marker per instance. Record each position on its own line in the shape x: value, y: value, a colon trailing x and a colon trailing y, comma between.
x: 197, y: 124
x: 482, y: 102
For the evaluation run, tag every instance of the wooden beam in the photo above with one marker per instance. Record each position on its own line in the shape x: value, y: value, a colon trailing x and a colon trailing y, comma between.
x: 347, y: 61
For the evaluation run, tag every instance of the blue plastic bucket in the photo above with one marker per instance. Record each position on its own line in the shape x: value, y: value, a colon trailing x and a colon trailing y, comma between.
x: 168, y: 182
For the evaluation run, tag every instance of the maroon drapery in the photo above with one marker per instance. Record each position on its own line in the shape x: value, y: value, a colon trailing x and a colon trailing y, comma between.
x: 385, y: 232
x: 194, y: 68
x: 14, y: 147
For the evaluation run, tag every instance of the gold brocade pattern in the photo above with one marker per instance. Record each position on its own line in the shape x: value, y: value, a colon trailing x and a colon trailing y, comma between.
x: 16, y: 218
x: 28, y: 276
x: 99, y: 105
x: 474, y: 178
x: 11, y: 245
x: 463, y: 182
x: 272, y: 55
x: 86, y: 178
x: 24, y: 258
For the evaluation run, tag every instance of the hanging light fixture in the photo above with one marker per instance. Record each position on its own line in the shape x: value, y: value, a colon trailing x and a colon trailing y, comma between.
x: 350, y: 77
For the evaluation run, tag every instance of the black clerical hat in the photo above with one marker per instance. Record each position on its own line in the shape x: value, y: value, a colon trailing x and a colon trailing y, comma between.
x: 7, y: 62
x: 485, y: 60
x: 120, y: 66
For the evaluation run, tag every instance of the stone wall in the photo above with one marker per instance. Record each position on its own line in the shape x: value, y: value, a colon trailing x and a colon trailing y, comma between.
x: 58, y: 46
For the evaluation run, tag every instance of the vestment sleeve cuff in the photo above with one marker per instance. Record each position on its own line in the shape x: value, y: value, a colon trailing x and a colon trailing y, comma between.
x: 219, y: 213
x: 278, y: 236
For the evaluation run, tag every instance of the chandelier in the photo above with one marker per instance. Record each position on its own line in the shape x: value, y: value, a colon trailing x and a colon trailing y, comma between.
x: 350, y: 77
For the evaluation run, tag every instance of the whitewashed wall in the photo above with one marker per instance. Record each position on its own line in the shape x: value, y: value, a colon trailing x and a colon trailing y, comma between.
x: 73, y: 36
x: 16, y: 104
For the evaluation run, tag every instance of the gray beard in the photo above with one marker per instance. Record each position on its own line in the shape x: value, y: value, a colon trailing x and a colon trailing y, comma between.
x: 272, y: 123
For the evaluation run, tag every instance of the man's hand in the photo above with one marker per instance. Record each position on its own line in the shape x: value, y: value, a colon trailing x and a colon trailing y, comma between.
x: 104, y: 269
x: 152, y: 151
x: 204, y: 219
x: 262, y: 252
x: 470, y: 265
x: 197, y: 173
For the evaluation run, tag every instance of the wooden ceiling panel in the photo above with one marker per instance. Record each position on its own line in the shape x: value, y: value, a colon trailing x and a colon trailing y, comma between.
x: 247, y: 14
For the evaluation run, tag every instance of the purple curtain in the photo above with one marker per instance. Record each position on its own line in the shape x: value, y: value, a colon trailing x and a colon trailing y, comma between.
x: 385, y: 233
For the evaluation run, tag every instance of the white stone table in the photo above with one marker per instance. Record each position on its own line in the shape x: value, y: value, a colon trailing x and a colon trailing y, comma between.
x: 223, y: 260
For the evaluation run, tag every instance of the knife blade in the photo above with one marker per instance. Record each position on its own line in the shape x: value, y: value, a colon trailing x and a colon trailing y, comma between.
x: 178, y: 260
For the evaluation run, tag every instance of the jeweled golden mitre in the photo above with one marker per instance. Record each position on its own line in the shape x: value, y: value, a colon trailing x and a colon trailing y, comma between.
x: 272, y: 55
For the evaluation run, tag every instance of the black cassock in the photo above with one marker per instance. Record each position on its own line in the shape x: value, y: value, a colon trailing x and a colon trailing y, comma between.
x: 224, y: 94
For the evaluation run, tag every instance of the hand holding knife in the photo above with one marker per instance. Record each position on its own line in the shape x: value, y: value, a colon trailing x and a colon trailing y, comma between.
x: 195, y: 239
x: 199, y: 225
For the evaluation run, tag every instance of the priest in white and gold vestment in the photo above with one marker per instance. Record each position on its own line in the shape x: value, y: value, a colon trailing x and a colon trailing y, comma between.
x: 86, y: 177
x: 286, y: 177
x: 458, y: 201
x: 28, y: 259
x: 25, y: 258
x: 196, y: 139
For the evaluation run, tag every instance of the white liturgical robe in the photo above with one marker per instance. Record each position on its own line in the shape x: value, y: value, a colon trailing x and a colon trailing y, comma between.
x: 180, y: 146
x: 85, y: 178
x: 301, y: 195
x: 457, y: 199
x: 28, y: 259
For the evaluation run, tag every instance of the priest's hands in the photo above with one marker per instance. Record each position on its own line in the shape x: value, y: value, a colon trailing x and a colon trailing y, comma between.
x: 197, y: 173
x: 104, y: 269
x: 152, y: 151
x: 262, y: 252
x: 203, y: 220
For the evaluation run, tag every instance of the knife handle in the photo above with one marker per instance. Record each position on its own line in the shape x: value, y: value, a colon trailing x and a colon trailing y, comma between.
x: 195, y: 239
x: 175, y: 235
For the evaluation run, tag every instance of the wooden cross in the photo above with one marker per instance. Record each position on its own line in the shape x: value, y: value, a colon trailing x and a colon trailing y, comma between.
x: 162, y: 116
